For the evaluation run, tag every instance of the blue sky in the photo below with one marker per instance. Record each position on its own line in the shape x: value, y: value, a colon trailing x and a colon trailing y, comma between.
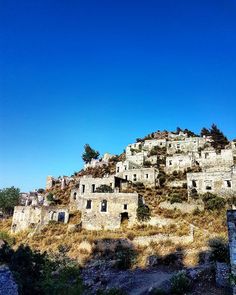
x: 107, y: 72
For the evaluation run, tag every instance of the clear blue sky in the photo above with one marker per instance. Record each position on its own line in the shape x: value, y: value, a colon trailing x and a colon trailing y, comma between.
x: 106, y: 72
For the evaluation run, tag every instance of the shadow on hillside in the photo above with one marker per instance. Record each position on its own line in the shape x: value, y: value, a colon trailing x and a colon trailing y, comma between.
x: 111, y: 265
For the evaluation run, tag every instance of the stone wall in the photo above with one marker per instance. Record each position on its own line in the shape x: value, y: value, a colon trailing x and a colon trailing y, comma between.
x: 191, y: 144
x: 179, y: 162
x: 183, y: 207
x: 217, y: 182
x: 210, y: 158
x: 126, y: 165
x: 148, y: 176
x: 118, y: 206
x: 149, y: 144
x: 33, y: 217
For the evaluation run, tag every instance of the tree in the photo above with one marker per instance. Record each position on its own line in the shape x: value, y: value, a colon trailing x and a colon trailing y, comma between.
x: 89, y: 154
x: 9, y: 198
x: 219, y: 139
x: 205, y: 132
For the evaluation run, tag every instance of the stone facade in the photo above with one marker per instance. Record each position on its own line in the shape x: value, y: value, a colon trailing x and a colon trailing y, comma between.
x: 211, y: 159
x: 179, y: 162
x: 108, y: 210
x: 34, y: 217
x: 151, y: 143
x: 148, y: 176
x: 126, y: 165
x: 99, y: 162
x: 217, y: 182
x: 190, y: 144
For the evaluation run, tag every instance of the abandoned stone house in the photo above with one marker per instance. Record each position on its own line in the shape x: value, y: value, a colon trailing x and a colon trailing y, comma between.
x: 179, y: 162
x: 210, y: 158
x: 34, y: 217
x: 108, y: 210
x: 89, y: 185
x: 190, y: 144
x: 222, y: 183
x: 99, y: 162
x: 151, y: 143
x: 63, y: 181
x: 148, y: 176
x: 126, y: 165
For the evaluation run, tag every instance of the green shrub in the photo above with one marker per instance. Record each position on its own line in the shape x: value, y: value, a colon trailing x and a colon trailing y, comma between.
x: 213, y: 202
x: 125, y: 257
x: 104, y: 189
x: 143, y: 212
x: 219, y: 250
x: 180, y: 283
x: 7, y: 238
x: 175, y: 198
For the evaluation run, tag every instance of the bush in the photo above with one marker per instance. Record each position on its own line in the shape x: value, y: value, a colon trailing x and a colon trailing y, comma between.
x: 125, y: 257
x: 7, y: 238
x: 104, y: 189
x: 9, y: 198
x: 143, y: 212
x: 180, y: 283
x: 175, y: 198
x: 213, y: 202
x: 219, y: 250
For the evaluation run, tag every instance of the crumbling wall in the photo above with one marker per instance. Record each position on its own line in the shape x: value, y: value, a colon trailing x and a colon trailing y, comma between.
x: 93, y: 218
x: 32, y: 217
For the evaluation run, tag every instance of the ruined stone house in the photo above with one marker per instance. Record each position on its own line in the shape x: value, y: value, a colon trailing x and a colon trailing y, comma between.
x: 34, y: 217
x: 222, y: 183
x: 108, y: 211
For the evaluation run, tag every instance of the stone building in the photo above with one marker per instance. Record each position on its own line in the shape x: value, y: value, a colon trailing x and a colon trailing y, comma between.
x: 222, y: 183
x: 148, y: 176
x: 126, y: 165
x: 190, y: 144
x: 89, y: 185
x: 179, y: 162
x: 34, y: 217
x: 133, y: 148
x: 63, y: 181
x: 210, y: 158
x: 99, y: 162
x: 107, y: 211
x: 151, y: 143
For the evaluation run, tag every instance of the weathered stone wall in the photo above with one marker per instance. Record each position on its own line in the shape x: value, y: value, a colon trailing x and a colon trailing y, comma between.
x: 32, y: 217
x: 191, y: 144
x: 149, y: 144
x: 218, y: 182
x: 146, y: 175
x: 183, y: 207
x: 212, y: 159
x: 179, y: 162
x: 126, y: 165
x: 117, y: 204
x: 89, y: 184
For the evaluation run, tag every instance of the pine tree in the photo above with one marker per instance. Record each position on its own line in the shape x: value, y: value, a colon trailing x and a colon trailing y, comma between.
x: 89, y: 154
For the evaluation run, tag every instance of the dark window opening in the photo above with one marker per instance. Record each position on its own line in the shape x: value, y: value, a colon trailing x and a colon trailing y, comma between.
x: 89, y: 204
x: 83, y: 188
x: 126, y: 177
x: 208, y: 188
x: 134, y: 177
x: 74, y: 196
x: 93, y: 188
x: 147, y: 176
x: 169, y: 144
x: 61, y: 216
x: 104, y: 206
x: 118, y: 169
x: 170, y: 163
x: 125, y: 206
x: 228, y: 183
x: 194, y: 183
